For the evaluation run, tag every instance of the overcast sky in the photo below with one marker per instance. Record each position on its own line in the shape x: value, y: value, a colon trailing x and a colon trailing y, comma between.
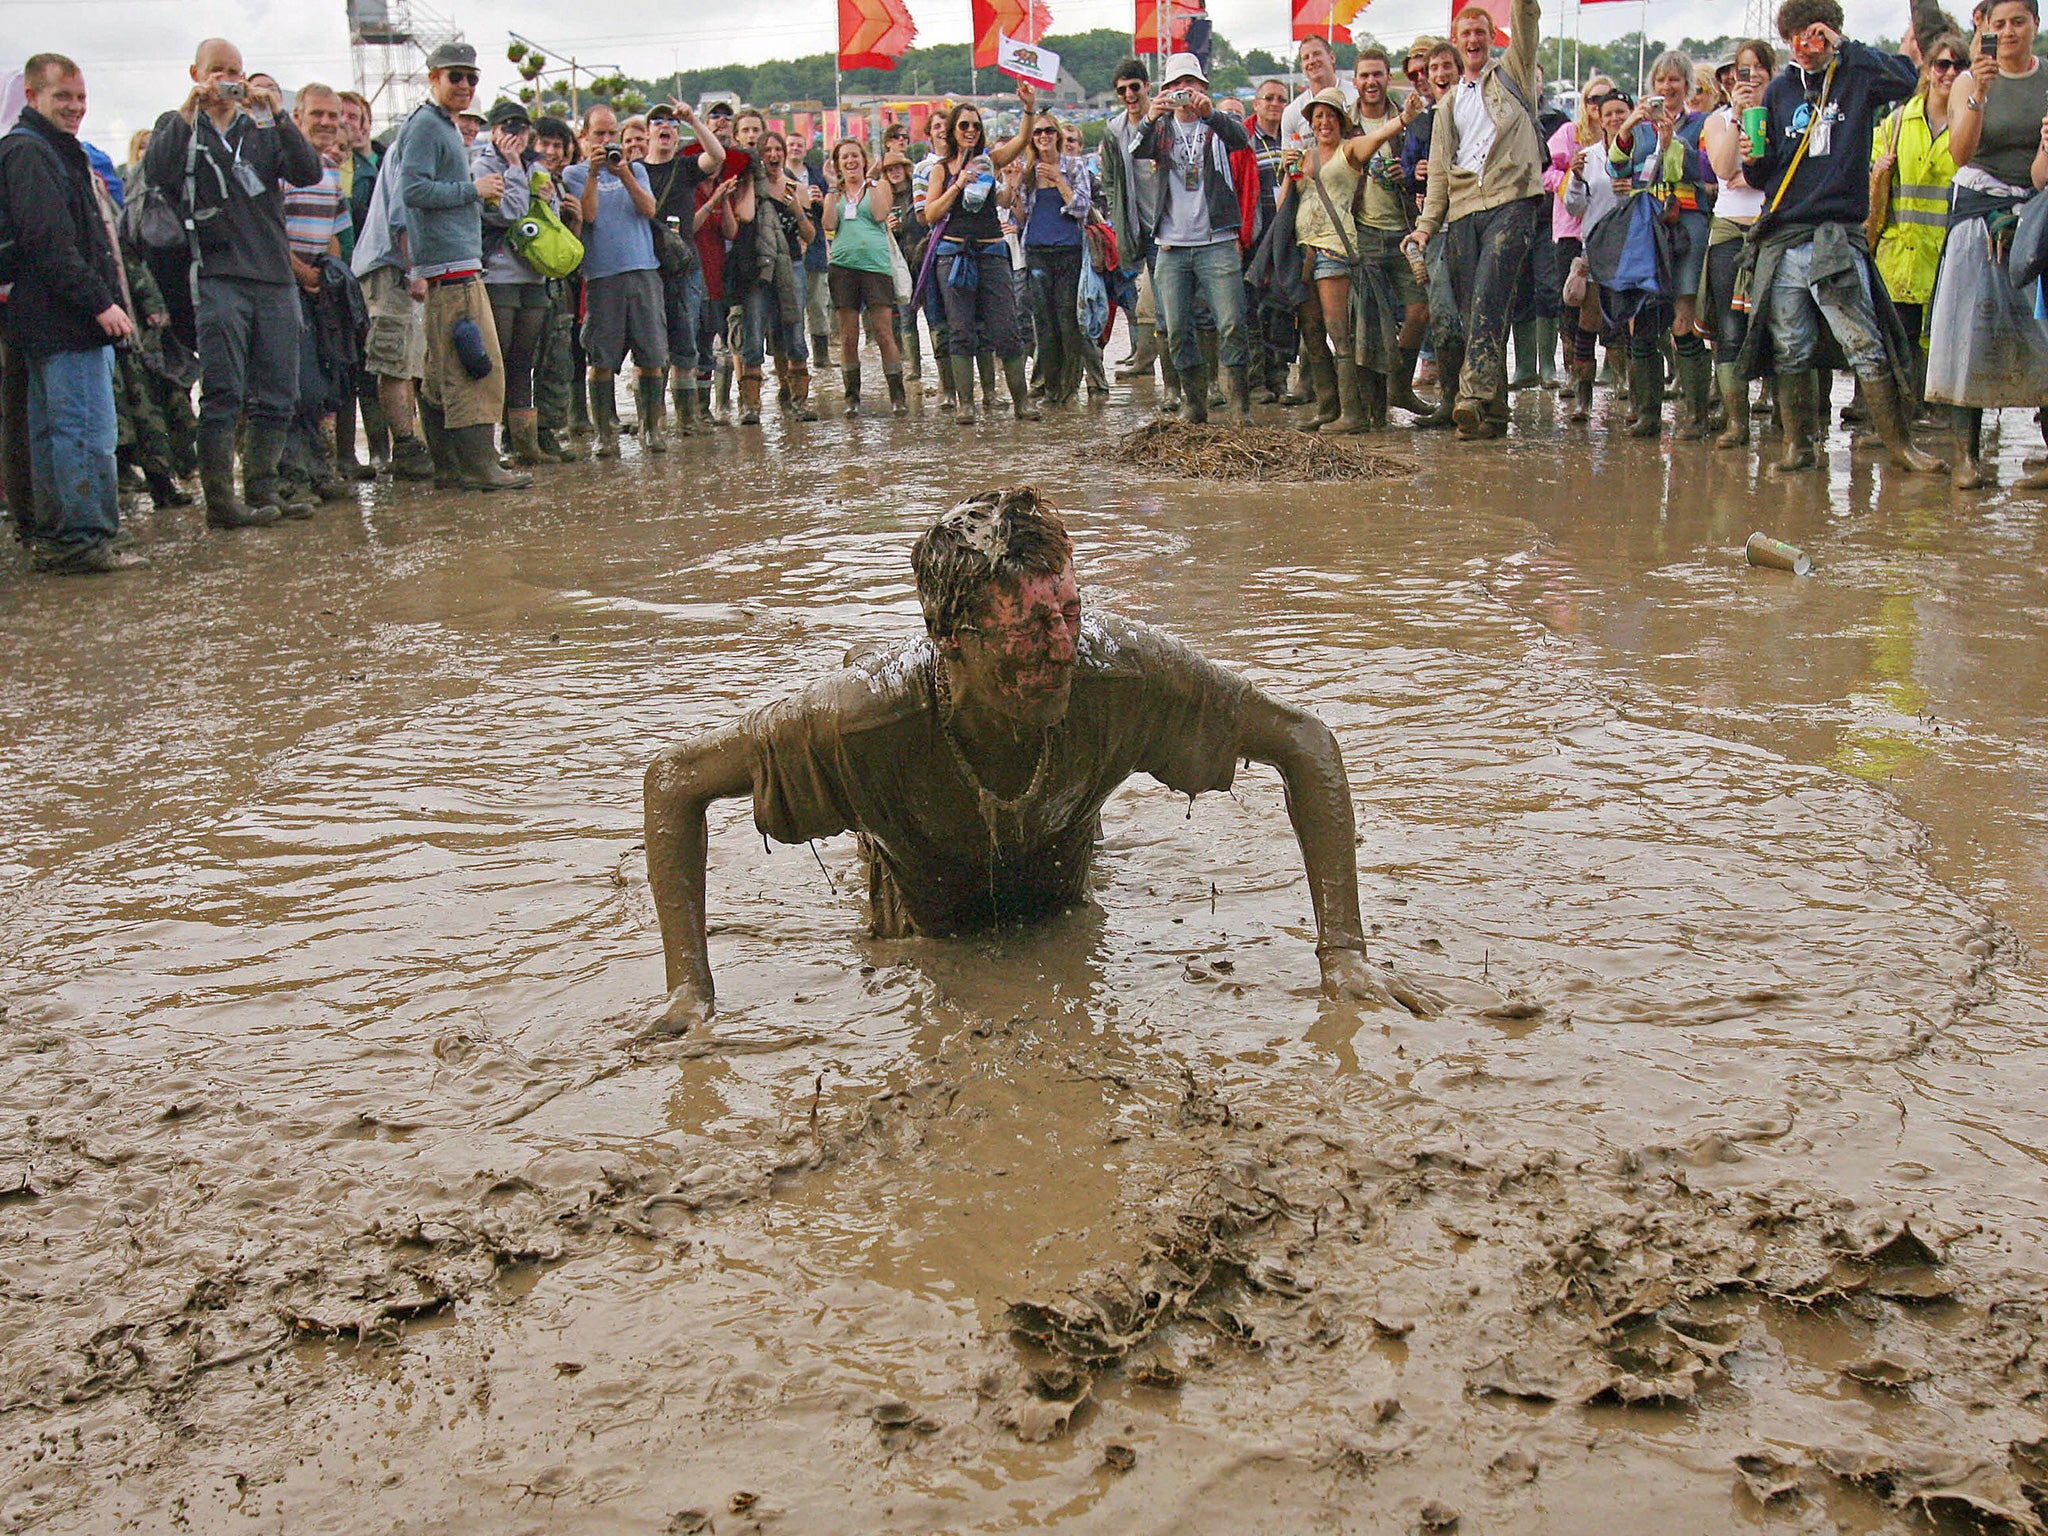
x: 134, y: 52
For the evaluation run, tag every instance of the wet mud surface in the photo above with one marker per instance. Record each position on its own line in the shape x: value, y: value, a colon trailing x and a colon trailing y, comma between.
x: 338, y: 1192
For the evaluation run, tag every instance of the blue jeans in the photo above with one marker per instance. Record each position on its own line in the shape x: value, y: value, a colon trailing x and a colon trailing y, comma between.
x: 1800, y: 301
x: 766, y: 329
x: 72, y: 432
x: 683, y: 298
x: 1187, y: 276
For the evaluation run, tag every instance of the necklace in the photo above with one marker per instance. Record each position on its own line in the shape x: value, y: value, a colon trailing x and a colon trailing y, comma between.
x: 987, y: 799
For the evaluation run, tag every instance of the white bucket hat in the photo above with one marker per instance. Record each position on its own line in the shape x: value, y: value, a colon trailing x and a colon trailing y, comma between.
x: 1185, y: 66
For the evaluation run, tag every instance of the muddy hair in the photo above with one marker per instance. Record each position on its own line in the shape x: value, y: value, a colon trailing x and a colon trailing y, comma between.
x: 998, y: 538
x: 1795, y: 16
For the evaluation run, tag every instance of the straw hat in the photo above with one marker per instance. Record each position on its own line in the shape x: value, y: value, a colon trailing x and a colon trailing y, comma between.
x: 1332, y: 97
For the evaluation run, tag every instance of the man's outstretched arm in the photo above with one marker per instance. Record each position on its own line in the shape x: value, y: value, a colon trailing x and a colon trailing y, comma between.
x: 681, y: 782
x: 1319, y: 804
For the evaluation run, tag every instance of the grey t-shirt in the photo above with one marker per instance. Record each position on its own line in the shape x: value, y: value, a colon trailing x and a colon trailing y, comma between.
x: 1185, y: 148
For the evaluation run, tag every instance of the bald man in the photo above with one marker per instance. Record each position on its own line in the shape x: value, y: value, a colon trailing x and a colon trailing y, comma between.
x: 242, y: 149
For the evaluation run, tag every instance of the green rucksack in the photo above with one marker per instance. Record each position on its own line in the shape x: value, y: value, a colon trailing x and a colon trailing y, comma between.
x: 544, y: 243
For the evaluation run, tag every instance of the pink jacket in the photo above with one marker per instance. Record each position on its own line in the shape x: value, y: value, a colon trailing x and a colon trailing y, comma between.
x: 1563, y: 145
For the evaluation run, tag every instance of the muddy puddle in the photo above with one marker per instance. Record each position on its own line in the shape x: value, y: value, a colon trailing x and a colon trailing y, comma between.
x: 337, y: 1194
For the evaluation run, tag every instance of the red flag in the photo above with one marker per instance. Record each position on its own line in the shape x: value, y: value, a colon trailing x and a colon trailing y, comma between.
x: 1328, y: 19
x: 1145, y: 35
x: 993, y: 16
x: 873, y: 34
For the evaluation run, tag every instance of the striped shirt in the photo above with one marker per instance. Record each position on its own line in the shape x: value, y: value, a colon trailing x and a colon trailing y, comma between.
x: 316, y: 214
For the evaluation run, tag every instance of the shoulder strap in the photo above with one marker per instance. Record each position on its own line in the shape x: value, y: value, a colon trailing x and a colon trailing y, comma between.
x: 1330, y: 208
x: 1826, y: 85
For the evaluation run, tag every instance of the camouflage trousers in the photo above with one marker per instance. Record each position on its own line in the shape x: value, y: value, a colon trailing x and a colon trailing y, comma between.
x: 154, y: 416
x: 557, y: 380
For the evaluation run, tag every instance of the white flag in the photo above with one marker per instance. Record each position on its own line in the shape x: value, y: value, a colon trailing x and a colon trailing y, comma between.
x: 1027, y: 61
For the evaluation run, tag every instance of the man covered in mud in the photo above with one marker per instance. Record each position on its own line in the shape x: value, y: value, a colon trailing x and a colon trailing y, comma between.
x: 973, y: 761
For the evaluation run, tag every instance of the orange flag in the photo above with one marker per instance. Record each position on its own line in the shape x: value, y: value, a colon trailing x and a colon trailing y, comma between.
x: 1145, y: 35
x: 1329, y: 19
x: 992, y: 17
x: 873, y: 34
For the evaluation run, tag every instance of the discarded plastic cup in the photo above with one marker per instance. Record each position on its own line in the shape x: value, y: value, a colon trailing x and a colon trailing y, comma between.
x: 1777, y: 555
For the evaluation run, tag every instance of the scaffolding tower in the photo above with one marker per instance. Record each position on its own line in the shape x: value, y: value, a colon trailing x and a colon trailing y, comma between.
x: 1757, y: 20
x: 389, y: 41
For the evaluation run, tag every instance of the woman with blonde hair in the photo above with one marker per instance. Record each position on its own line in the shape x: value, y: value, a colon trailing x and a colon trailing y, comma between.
x: 859, y: 270
x: 1911, y: 150
x: 1051, y: 212
x: 1568, y: 233
x: 1737, y: 206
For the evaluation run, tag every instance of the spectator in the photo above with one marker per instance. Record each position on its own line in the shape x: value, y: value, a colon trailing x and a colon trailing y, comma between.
x: 1272, y: 324
x: 518, y: 294
x: 1319, y: 64
x: 1052, y: 214
x: 857, y: 222
x: 459, y: 406
x: 241, y: 152
x: 316, y: 219
x: 1197, y: 216
x: 1130, y: 193
x: 621, y: 282
x: 557, y: 375
x: 1486, y: 194
x: 395, y: 347
x: 1912, y: 148
x: 63, y: 319
x: 764, y: 271
x: 1737, y: 206
x: 674, y: 175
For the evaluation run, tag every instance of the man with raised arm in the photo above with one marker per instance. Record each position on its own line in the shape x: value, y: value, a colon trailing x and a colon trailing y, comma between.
x: 973, y: 761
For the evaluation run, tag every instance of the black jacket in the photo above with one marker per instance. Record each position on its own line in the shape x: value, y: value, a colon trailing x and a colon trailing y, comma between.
x: 1219, y: 192
x: 68, y: 272
x: 239, y: 235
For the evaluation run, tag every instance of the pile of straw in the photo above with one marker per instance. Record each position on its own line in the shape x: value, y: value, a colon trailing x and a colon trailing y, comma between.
x: 1215, y: 451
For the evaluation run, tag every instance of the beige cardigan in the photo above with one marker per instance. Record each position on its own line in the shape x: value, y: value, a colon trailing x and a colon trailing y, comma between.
x: 1514, y: 166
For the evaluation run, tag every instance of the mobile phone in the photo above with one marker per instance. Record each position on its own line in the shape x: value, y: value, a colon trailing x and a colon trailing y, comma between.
x: 1987, y: 46
x: 1745, y: 73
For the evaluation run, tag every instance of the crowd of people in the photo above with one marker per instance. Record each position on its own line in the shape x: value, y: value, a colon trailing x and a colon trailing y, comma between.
x: 455, y: 303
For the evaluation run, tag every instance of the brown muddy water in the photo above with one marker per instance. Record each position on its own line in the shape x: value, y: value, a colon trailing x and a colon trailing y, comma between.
x: 337, y: 1194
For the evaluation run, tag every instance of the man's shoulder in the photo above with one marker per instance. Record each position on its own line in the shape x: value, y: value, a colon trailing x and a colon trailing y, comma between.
x: 876, y: 689
x: 1113, y: 648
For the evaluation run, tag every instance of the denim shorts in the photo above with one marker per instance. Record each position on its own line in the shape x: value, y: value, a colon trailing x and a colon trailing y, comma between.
x: 1331, y: 264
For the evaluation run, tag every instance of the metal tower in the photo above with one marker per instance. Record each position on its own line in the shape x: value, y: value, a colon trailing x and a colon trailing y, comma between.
x: 389, y: 41
x: 1756, y: 20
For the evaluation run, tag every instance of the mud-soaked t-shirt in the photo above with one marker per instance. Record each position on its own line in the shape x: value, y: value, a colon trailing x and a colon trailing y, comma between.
x: 865, y: 751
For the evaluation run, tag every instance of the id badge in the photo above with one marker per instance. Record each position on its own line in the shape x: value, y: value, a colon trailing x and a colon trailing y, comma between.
x: 1822, y: 140
x: 1192, y: 179
x: 247, y: 179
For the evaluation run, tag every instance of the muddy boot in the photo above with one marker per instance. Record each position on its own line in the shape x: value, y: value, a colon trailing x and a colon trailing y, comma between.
x: 1582, y: 389
x: 376, y: 429
x: 949, y: 390
x: 1170, y: 383
x: 604, y: 414
x: 721, y: 393
x: 1237, y: 391
x: 1144, y: 352
x: 1194, y: 395
x: 1212, y: 365
x: 683, y: 395
x: 411, y: 459
x: 164, y: 492
x: 1372, y: 399
x: 1797, y: 409
x: 261, y: 484
x: 651, y: 401
x: 821, y: 348
x: 1450, y: 364
x: 1401, y: 384
x: 963, y: 388
x: 1524, y: 334
x: 1350, y: 398
x: 899, y: 396
x: 750, y: 397
x: 1970, y: 473
x: 849, y: 381
x: 797, y: 379
x: 224, y: 509
x: 1646, y: 389
x: 1695, y: 389
x: 1735, y: 401
x: 523, y: 427
x: 1300, y: 388
x: 985, y: 365
x: 1319, y: 372
x: 346, y: 464
x: 1889, y: 413
x: 1546, y: 353
x: 476, y: 458
x: 447, y: 474
x: 554, y: 448
x: 1016, y: 375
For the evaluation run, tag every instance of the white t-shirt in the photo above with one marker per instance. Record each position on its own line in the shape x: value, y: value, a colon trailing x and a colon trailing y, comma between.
x: 1294, y: 121
x: 1476, y: 131
x: 1737, y: 200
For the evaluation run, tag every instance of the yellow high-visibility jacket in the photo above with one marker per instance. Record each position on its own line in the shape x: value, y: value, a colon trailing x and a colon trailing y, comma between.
x: 1910, y: 248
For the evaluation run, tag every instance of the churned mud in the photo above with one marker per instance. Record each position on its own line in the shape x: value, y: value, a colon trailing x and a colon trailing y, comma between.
x: 339, y: 1190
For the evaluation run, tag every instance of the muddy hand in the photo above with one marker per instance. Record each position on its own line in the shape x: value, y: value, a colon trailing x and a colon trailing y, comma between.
x: 1349, y: 977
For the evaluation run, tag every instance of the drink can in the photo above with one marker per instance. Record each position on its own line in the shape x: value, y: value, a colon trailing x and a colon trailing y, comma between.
x: 1777, y: 555
x: 1416, y: 264
x: 1754, y: 121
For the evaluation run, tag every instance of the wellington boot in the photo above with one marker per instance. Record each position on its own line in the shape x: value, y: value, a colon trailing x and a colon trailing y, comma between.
x: 849, y: 380
x: 1144, y: 352
x: 1401, y: 384
x: 1696, y: 390
x: 164, y: 492
x: 1646, y: 393
x: 1889, y: 414
x: 604, y: 414
x: 476, y: 456
x: 899, y: 396
x: 1546, y: 352
x: 821, y: 348
x: 1015, y: 373
x: 683, y: 396
x: 1194, y: 387
x: 412, y: 459
x: 985, y: 365
x: 524, y: 430
x: 963, y: 388
x: 1525, y: 375
x: 1299, y: 389
x: 1735, y: 401
x: 1237, y: 392
x: 553, y: 446
x: 1212, y: 365
x: 796, y: 377
x: 1372, y: 399
x: 1797, y: 410
x: 262, y: 486
x: 651, y: 399
x: 1169, y: 381
x: 721, y: 393
x: 1319, y: 372
x: 949, y: 391
x: 224, y: 509
x: 579, y: 406
x: 1450, y: 366
x: 1350, y: 415
x: 750, y: 397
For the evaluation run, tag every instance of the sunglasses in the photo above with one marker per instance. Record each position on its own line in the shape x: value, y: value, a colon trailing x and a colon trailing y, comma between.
x: 1045, y: 133
x: 1129, y: 88
x: 1952, y: 65
x: 966, y: 123
x: 464, y: 76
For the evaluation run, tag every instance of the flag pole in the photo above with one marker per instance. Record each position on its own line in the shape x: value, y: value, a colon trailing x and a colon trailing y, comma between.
x: 1642, y: 45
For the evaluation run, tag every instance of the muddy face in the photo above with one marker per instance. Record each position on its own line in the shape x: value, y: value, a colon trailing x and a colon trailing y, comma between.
x: 1017, y: 660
